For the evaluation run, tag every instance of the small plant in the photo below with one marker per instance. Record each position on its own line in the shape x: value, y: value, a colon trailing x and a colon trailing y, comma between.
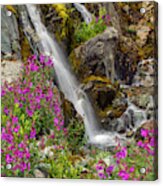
x: 85, y: 32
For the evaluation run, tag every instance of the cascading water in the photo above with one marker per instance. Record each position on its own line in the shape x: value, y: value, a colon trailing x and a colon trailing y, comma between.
x: 84, y: 12
x: 70, y: 86
x: 66, y: 80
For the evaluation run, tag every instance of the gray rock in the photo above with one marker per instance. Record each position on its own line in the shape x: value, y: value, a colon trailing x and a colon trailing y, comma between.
x: 10, y: 70
x: 39, y: 174
x: 9, y: 34
x: 97, y: 55
x: 146, y: 73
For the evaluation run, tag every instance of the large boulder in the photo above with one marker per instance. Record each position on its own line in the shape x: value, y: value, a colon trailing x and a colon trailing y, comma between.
x: 96, y: 56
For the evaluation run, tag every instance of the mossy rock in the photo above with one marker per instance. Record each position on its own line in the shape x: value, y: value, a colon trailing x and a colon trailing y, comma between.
x: 75, y: 62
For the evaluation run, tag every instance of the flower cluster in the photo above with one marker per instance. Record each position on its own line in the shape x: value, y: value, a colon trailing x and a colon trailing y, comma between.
x: 103, y: 170
x: 130, y: 159
x: 29, y: 109
x: 150, y: 141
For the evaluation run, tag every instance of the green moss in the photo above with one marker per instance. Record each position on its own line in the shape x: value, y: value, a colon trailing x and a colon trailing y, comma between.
x: 75, y: 62
x: 25, y: 49
x: 99, y: 79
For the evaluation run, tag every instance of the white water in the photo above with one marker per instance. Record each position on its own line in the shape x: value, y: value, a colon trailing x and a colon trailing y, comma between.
x: 67, y: 81
x: 84, y: 12
x: 70, y: 86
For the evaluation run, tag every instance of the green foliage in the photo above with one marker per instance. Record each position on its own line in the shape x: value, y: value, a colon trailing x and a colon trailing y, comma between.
x: 75, y: 137
x: 85, y: 32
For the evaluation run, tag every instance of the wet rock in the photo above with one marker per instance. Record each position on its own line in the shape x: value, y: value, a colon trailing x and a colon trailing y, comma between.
x: 96, y: 56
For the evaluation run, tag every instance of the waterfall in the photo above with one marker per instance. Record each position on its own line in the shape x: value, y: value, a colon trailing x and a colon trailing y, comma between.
x: 71, y: 87
x: 66, y: 80
x: 84, y: 12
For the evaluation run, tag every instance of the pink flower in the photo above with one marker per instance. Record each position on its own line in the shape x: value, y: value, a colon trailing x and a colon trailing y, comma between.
x: 14, y: 120
x: 16, y: 129
x: 29, y: 112
x: 33, y: 133
x: 152, y: 142
x: 9, y: 158
x: 23, y: 166
x: 122, y: 154
x: 56, y: 121
x: 99, y: 167
x: 124, y: 175
x: 33, y: 67
x: 140, y: 144
x: 144, y: 132
x: 101, y: 175
x: 132, y: 169
x: 28, y: 155
x: 3, y: 92
x: 110, y: 169
x: 6, y: 111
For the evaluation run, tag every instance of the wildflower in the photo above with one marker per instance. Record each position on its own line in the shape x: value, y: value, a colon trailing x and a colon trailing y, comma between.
x: 21, y: 145
x: 18, y: 153
x: 101, y: 175
x: 56, y: 121
x: 124, y: 175
x: 33, y: 133
x: 110, y: 169
x: 26, y: 90
x: 152, y: 142
x: 33, y: 67
x: 14, y: 120
x: 144, y: 132
x: 9, y: 158
x: 16, y: 129
x: 140, y: 144
x: 42, y: 59
x: 132, y: 169
x: 28, y: 155
x: 6, y: 111
x: 99, y: 167
x: 3, y: 92
x: 49, y: 63
x: 122, y: 154
x: 29, y: 112
x: 23, y: 166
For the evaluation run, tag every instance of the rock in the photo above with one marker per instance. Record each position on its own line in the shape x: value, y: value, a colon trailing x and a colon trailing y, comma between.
x: 47, y: 152
x: 101, y: 90
x: 10, y: 70
x: 96, y: 56
x: 146, y: 73
x: 39, y: 174
x: 10, y: 41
